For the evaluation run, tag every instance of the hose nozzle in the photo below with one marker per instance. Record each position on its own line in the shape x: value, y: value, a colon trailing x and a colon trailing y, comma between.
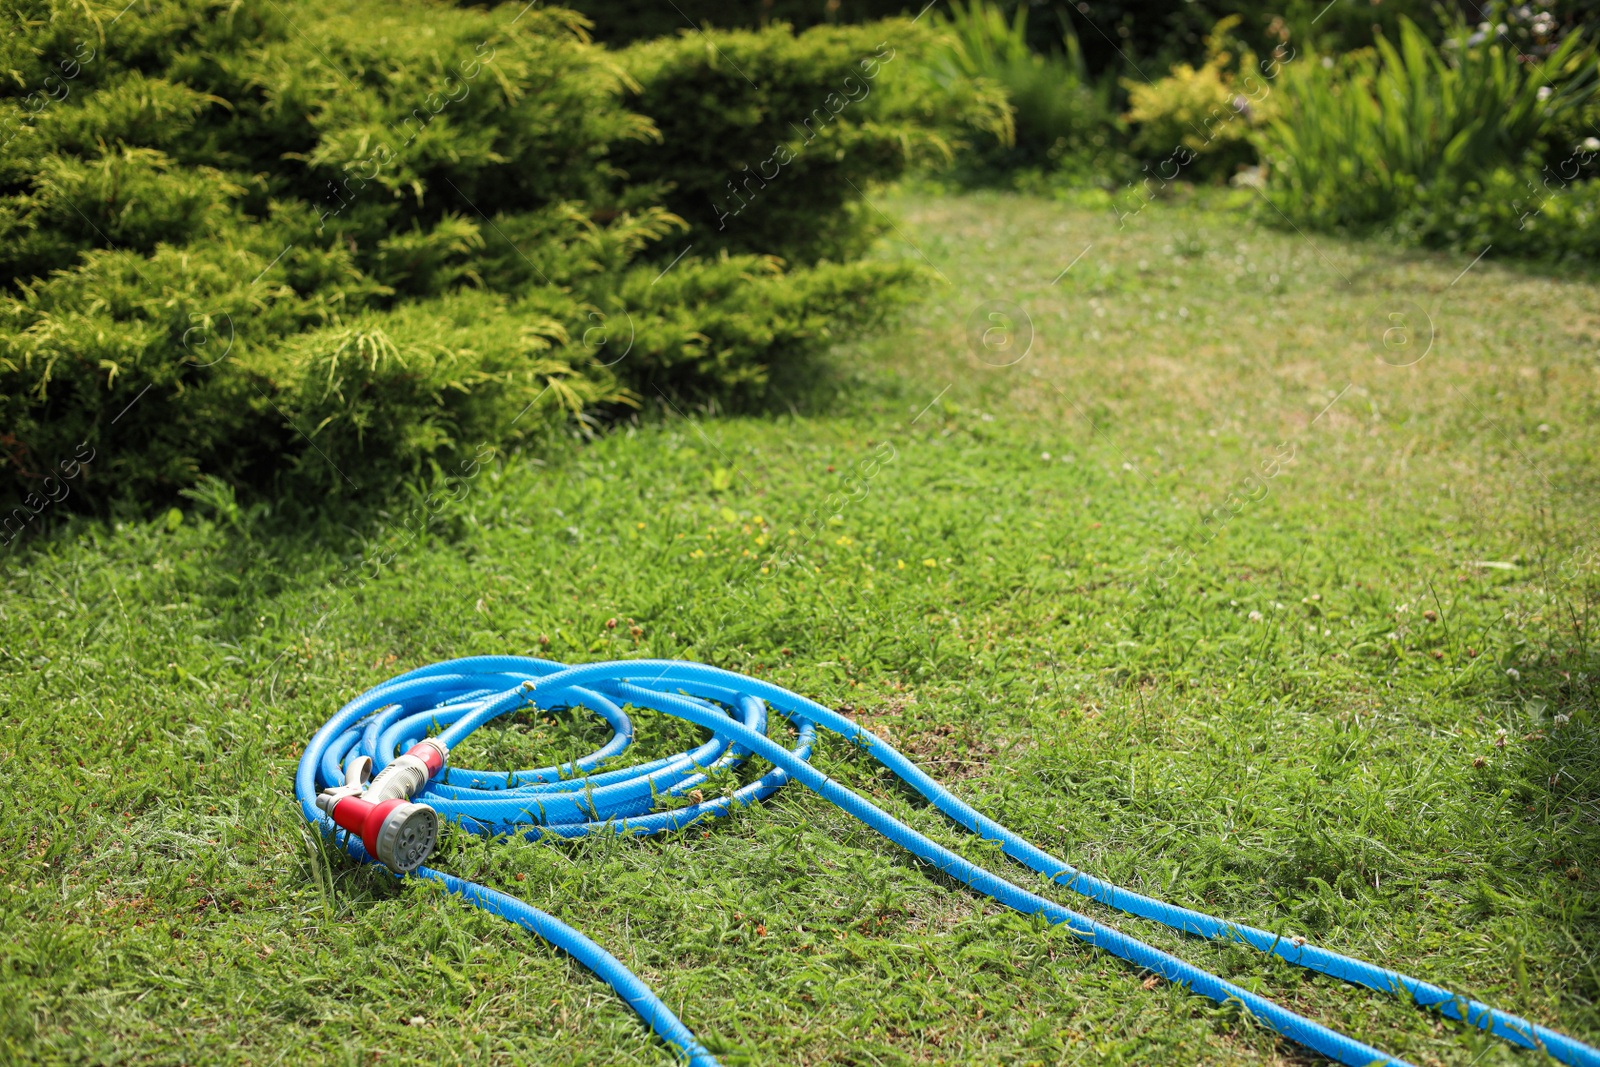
x: 401, y: 834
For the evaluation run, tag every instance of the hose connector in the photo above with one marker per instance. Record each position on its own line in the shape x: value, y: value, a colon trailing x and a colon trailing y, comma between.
x: 408, y: 774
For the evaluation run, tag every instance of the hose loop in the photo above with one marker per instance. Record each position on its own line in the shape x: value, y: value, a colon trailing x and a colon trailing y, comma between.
x: 588, y: 795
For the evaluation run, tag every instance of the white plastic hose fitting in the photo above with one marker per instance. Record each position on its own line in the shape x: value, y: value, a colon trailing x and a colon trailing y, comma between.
x: 405, y: 777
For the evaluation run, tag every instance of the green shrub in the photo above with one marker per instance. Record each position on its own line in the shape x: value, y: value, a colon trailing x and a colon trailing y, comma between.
x: 1572, y: 145
x: 1513, y: 211
x: 1208, y: 110
x: 1385, y: 132
x: 693, y: 325
x: 279, y: 245
x: 768, y: 140
x: 1116, y: 35
x: 1060, y: 121
x: 623, y: 21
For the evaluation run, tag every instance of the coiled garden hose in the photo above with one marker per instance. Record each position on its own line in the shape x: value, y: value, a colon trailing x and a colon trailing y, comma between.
x: 392, y: 818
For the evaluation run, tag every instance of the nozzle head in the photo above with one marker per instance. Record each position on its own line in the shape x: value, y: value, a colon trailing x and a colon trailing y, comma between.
x: 406, y: 837
x: 399, y: 833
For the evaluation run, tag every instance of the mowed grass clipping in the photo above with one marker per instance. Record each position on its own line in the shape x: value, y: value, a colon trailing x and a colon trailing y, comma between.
x: 1200, y: 593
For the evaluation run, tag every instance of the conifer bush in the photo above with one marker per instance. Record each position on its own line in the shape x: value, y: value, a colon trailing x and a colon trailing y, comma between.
x: 292, y: 247
x: 769, y: 139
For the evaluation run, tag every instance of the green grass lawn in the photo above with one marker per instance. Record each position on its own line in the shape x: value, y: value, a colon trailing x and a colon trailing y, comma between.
x: 1201, y: 593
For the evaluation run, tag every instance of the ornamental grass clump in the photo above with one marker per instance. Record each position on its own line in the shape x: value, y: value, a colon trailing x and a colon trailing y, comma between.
x: 1411, y: 131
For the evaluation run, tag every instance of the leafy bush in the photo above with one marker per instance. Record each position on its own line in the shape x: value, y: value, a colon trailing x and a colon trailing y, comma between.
x: 768, y: 140
x: 1517, y: 214
x: 1385, y: 132
x: 1338, y: 28
x: 1209, y: 110
x: 1060, y: 121
x: 623, y: 21
x: 1116, y: 35
x: 269, y: 242
x: 1571, y: 144
x: 1535, y: 29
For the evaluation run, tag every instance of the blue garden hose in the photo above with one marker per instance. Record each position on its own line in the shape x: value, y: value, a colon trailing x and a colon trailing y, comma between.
x: 454, y: 698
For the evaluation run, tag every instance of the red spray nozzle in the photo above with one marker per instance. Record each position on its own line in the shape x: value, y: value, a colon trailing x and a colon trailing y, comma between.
x: 401, y: 834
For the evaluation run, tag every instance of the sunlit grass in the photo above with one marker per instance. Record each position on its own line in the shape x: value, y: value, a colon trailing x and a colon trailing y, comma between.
x: 1199, y: 593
